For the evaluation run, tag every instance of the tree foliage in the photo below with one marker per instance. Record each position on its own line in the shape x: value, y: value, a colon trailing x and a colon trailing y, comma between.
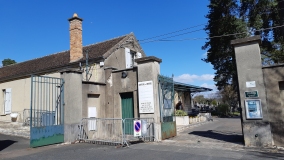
x: 229, y: 97
x: 8, y: 61
x: 199, y: 99
x: 246, y: 17
x: 222, y: 20
x: 266, y: 14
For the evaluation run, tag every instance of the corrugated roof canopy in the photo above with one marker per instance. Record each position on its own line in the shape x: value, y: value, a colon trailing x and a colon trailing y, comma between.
x: 189, y: 88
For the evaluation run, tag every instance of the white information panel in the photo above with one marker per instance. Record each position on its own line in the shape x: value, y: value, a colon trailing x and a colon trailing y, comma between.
x: 250, y: 84
x: 146, y: 98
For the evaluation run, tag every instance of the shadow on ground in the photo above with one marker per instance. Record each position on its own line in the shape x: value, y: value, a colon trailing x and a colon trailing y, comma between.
x: 267, y: 155
x: 222, y: 136
x: 6, y: 144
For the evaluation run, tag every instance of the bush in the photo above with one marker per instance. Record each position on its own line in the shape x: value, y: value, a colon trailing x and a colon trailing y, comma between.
x: 180, y: 113
x: 223, y: 109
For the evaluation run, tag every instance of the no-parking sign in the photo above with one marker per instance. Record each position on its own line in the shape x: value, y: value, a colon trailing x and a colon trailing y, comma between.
x: 137, y: 128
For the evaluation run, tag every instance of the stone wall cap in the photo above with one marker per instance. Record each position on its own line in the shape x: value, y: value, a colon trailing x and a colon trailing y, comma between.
x: 246, y: 40
x: 94, y: 83
x: 148, y: 59
x: 71, y: 19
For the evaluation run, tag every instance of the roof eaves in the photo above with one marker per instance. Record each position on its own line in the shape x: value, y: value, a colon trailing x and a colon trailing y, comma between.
x: 116, y: 47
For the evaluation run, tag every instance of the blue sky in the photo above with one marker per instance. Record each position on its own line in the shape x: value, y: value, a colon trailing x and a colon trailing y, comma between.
x: 35, y: 28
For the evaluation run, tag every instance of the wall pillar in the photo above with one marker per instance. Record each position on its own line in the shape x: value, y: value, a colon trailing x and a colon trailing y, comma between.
x: 73, y: 103
x: 148, y: 70
x: 257, y: 131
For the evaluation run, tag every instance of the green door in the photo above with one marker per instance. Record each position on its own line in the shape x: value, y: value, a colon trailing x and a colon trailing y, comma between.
x: 127, y: 111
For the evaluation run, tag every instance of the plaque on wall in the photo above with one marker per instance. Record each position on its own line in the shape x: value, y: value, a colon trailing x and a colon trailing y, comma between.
x: 250, y: 84
x: 253, y: 109
x: 251, y: 94
x: 146, y: 97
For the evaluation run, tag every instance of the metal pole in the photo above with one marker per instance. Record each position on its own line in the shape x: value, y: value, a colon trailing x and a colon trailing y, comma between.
x: 87, y: 65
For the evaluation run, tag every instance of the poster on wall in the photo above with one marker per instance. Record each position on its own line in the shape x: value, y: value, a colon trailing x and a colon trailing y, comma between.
x: 146, y: 98
x: 253, y: 109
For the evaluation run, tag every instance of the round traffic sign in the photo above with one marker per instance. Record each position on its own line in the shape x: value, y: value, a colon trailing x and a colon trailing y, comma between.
x: 137, y: 126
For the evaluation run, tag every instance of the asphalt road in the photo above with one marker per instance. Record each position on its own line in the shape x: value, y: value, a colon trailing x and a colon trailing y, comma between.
x: 12, y: 143
x: 222, y: 133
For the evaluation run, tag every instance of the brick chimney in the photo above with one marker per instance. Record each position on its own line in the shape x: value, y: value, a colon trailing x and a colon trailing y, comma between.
x: 76, y: 49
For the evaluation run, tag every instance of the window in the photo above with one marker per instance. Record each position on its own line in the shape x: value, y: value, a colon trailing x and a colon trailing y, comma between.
x: 130, y: 56
x: 7, y: 100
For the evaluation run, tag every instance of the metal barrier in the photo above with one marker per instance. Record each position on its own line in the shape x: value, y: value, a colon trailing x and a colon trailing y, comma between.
x: 147, y: 130
x: 114, y: 131
x: 107, y: 130
x: 37, y: 118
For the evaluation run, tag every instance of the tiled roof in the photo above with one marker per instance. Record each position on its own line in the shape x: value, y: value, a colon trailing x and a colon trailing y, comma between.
x: 54, y: 61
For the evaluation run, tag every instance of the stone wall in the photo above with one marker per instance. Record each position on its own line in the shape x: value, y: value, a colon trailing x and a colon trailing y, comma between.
x: 274, y: 83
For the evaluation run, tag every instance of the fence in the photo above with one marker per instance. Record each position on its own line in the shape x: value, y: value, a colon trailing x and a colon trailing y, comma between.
x: 114, y: 131
x: 27, y: 116
x: 40, y: 117
x: 108, y: 130
x: 147, y: 130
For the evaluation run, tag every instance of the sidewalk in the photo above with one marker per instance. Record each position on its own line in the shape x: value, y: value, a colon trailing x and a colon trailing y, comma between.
x: 15, y: 129
x: 180, y: 128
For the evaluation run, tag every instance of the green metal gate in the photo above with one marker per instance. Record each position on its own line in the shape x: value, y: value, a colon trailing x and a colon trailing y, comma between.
x: 127, y: 110
x: 166, y: 100
x: 47, y: 101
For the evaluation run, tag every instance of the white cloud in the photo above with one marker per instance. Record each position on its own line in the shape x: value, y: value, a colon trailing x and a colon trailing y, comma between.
x: 211, y: 86
x: 210, y: 94
x: 188, y: 78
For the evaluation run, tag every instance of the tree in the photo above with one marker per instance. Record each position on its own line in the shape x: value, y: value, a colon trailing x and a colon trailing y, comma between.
x: 223, y: 19
x: 246, y: 18
x: 214, y: 102
x: 266, y: 14
x: 199, y: 99
x: 8, y: 61
x: 229, y: 97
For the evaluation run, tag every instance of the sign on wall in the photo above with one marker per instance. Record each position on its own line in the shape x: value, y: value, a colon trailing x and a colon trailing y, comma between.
x: 146, y: 98
x: 253, y: 109
x: 251, y: 94
x: 250, y: 84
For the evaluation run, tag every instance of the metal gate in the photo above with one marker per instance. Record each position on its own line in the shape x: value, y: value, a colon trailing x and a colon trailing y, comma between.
x: 166, y: 100
x: 46, y: 112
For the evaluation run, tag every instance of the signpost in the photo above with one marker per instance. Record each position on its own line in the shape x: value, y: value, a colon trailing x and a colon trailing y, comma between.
x: 137, y: 128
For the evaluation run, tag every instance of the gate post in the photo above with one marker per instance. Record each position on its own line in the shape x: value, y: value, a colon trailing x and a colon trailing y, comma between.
x: 255, y: 118
x: 73, y: 103
x: 148, y: 70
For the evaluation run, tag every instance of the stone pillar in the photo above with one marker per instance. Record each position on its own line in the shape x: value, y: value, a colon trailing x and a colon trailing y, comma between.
x: 73, y: 103
x: 76, y: 50
x: 257, y: 131
x: 148, y: 70
x: 109, y: 94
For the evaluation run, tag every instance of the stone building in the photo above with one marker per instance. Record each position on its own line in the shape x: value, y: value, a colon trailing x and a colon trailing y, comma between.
x: 100, y: 78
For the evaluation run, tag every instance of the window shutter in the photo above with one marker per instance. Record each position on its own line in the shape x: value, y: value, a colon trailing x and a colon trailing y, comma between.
x: 138, y: 55
x: 128, y: 61
x: 8, y: 100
